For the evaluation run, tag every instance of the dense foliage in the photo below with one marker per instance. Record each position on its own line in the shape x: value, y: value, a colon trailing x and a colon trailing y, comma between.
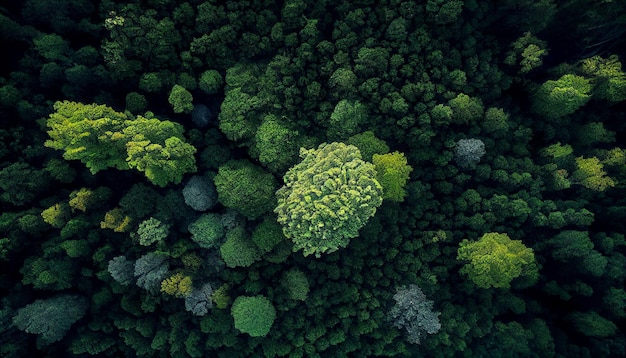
x: 459, y: 190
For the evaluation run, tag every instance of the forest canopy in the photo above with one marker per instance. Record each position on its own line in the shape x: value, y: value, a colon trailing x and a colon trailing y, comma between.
x: 301, y: 178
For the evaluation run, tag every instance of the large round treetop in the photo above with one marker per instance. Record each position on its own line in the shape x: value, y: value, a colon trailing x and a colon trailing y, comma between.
x: 327, y: 198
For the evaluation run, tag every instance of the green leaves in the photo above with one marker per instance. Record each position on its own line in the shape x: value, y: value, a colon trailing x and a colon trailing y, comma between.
x: 555, y: 99
x: 253, y: 315
x: 180, y: 99
x: 102, y: 138
x: 327, y: 198
x: 392, y: 173
x: 245, y: 187
x: 495, y: 260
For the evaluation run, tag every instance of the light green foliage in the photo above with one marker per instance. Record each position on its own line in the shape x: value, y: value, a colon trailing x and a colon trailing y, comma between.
x: 253, y: 315
x: 526, y: 53
x: 239, y: 250
x: 591, y: 324
x: 50, y: 318
x: 102, y: 138
x: 246, y: 188
x: 609, y: 78
x: 162, y: 164
x: 86, y: 199
x: 180, y: 99
x: 151, y: 231
x: 368, y: 145
x: 590, y: 174
x: 56, y: 215
x: 466, y: 109
x: 346, y: 119
x: 207, y: 230
x: 276, y: 144
x: 116, y: 220
x: 267, y: 234
x: 327, y: 198
x: 211, y: 82
x: 89, y: 133
x: 296, y: 284
x: 177, y: 285
x: 495, y: 260
x: 392, y: 173
x: 558, y: 98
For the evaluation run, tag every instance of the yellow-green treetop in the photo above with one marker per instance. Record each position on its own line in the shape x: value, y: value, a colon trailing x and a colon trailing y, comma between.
x: 102, y: 138
x: 327, y: 198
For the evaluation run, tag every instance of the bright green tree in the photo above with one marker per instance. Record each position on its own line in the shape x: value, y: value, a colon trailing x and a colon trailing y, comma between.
x: 609, y: 78
x: 495, y: 260
x: 253, y: 315
x: 558, y: 98
x: 590, y: 174
x: 392, y: 173
x: 180, y: 99
x: 327, y: 198
x: 102, y: 138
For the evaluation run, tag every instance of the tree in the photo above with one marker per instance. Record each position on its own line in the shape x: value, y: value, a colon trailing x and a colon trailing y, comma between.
x: 327, y: 198
x: 246, y: 188
x: 526, y: 53
x: 150, y: 270
x: 253, y: 315
x: 392, y: 173
x: 86, y: 199
x: 207, y: 230
x: 102, y: 138
x: 466, y: 109
x: 21, y: 183
x: 198, y: 301
x: 590, y: 174
x: 180, y: 99
x: 296, y: 284
x: 346, y: 119
x: 50, y: 318
x: 151, y: 231
x: 558, y: 98
x: 211, y: 81
x: 122, y: 270
x: 200, y: 193
x: 495, y: 260
x: 57, y: 215
x: 238, y: 250
x: 591, y: 324
x: 277, y: 145
x: 413, y: 313
x: 368, y: 145
x: 136, y: 102
x: 177, y: 285
x: 608, y: 75
x: 267, y: 234
x: 467, y: 152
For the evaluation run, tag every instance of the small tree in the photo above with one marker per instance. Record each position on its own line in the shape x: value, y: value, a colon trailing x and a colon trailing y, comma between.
x: 150, y: 270
x: 122, y: 270
x: 468, y: 152
x: 392, y: 172
x: 181, y: 99
x: 555, y: 99
x: 413, y: 313
x: 151, y: 231
x: 207, y: 230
